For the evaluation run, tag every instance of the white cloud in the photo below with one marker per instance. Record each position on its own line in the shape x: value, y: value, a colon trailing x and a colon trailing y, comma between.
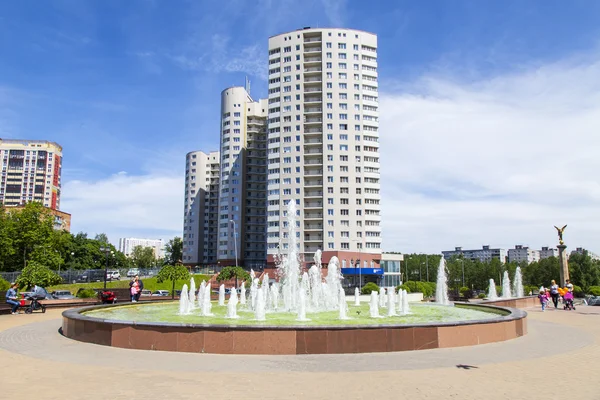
x: 496, y: 162
x: 124, y: 205
x: 335, y: 12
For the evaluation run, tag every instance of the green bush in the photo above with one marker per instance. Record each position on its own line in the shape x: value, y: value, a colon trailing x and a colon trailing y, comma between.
x: 86, y: 293
x: 4, y: 285
x: 531, y: 288
x: 594, y: 290
x: 481, y: 295
x: 414, y: 286
x: 578, y: 291
x: 403, y: 287
x: 370, y: 287
x: 465, y: 292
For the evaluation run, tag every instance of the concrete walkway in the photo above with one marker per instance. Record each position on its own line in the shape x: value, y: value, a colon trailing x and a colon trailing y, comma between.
x: 560, y: 354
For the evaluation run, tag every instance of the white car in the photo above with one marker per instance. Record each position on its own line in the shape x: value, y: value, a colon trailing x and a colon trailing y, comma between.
x: 161, y: 293
x: 113, y: 275
x: 133, y: 272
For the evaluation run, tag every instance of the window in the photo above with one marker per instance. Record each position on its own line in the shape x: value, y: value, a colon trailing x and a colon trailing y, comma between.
x: 341, y: 45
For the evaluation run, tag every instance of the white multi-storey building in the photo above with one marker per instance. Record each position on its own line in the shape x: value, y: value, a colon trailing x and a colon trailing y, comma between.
x: 126, y: 246
x: 324, y: 144
x: 581, y: 250
x: 523, y: 254
x: 547, y: 252
x: 31, y: 171
x: 242, y: 200
x: 485, y: 254
x: 201, y: 205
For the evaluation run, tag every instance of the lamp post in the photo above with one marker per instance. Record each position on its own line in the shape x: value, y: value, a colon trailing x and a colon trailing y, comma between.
x: 427, y: 267
x: 235, y: 245
x: 359, y: 245
x: 463, y: 271
x: 106, y: 251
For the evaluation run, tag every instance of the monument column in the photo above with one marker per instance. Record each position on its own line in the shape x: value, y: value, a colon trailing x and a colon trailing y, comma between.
x: 564, y: 264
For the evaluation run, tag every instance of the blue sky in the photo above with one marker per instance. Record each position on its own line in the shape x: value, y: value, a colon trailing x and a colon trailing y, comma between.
x: 128, y: 87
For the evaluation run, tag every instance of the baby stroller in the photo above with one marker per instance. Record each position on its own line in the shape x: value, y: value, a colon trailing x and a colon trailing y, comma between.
x: 568, y: 301
x: 108, y: 297
x: 34, y: 304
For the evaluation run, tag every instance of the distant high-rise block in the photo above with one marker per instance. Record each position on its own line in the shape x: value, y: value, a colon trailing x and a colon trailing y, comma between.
x: 31, y: 171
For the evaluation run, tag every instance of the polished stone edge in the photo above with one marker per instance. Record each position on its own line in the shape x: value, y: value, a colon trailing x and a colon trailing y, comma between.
x: 510, y: 314
x: 278, y: 340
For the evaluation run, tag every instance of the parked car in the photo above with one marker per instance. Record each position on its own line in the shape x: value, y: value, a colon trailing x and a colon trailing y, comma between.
x: 133, y: 272
x: 146, y: 292
x: 91, y: 276
x: 113, y: 276
x: 160, y: 293
x: 62, y: 295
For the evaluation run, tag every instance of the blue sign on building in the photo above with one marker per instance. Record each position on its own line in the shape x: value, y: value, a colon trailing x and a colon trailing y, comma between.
x: 362, y: 271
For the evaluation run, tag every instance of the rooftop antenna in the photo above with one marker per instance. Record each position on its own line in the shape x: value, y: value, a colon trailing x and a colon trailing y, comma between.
x: 247, y: 85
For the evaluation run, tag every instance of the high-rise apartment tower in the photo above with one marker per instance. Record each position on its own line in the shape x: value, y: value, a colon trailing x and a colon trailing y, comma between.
x: 323, y: 134
x: 201, y: 208
x: 31, y: 171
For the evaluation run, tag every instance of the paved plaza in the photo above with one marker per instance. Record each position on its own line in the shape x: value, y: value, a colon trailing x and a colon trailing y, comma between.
x: 560, y: 356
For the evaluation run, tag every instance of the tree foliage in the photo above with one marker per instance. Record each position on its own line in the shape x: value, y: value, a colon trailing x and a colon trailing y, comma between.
x: 369, y: 287
x: 228, y: 273
x: 37, y: 274
x: 143, y: 257
x: 172, y: 273
x: 174, y: 251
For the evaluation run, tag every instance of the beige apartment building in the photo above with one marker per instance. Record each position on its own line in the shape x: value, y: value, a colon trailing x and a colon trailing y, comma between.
x: 201, y: 208
x: 31, y: 171
x: 242, y: 198
x: 323, y: 144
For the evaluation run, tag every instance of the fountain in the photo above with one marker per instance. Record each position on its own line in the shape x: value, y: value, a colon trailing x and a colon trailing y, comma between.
x: 184, y: 302
x: 192, y: 296
x: 374, y: 305
x: 302, y: 307
x: 243, y: 293
x: 382, y: 298
x: 356, y: 297
x: 518, y: 284
x: 259, y: 311
x: 506, y: 294
x: 299, y: 307
x: 200, y: 298
x: 405, y: 306
x: 400, y: 298
x: 206, y: 304
x: 492, y: 295
x: 222, y: 295
x: 232, y: 304
x: 343, y: 305
x: 391, y: 304
x: 441, y: 289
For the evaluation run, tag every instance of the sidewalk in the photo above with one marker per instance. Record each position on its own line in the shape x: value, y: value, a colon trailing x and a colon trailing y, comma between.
x: 527, y: 368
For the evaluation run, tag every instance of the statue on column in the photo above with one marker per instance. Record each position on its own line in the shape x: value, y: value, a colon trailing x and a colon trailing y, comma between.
x: 560, y: 234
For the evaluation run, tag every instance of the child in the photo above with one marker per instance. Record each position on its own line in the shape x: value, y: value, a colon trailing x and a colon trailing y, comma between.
x: 543, y: 298
x: 133, y: 291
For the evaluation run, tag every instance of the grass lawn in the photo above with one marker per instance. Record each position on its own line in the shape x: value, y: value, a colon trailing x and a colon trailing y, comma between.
x: 149, y: 284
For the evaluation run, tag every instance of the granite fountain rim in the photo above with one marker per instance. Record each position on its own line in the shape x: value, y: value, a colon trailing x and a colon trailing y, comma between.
x: 512, y: 314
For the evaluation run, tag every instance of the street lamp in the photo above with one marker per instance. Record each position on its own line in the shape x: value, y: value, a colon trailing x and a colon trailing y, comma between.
x: 235, y: 245
x: 106, y: 251
x: 359, y: 245
x: 463, y: 271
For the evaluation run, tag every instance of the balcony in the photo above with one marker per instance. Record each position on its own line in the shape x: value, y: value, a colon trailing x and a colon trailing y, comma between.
x: 318, y: 172
x: 313, y: 163
x: 313, y: 110
x: 312, y: 80
x: 312, y: 39
x: 312, y: 121
x: 313, y: 227
x: 313, y: 99
x: 313, y: 204
x: 313, y: 70
x: 313, y: 152
x: 313, y: 90
x: 312, y: 49
x: 313, y: 193
x: 312, y: 215
x: 312, y: 182
x: 313, y: 238
x: 312, y: 142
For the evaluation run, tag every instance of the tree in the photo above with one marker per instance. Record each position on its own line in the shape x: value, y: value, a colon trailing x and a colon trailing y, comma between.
x: 143, y: 257
x: 102, y: 238
x: 236, y: 273
x: 172, y: 273
x: 584, y: 271
x: 7, y: 249
x: 174, y: 251
x: 37, y: 274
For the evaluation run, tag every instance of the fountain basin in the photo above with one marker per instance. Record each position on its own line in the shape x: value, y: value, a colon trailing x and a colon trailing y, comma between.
x: 346, y: 336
